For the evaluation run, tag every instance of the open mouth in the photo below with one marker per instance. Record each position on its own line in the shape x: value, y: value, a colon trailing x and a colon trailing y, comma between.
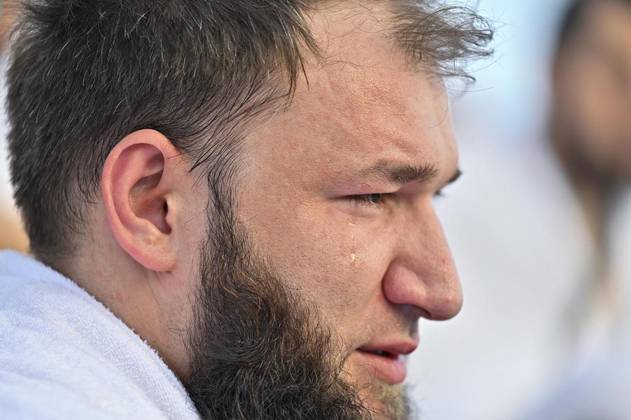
x: 381, y: 353
x: 386, y: 366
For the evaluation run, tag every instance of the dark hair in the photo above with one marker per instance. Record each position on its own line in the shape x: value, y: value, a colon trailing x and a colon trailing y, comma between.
x: 570, y: 20
x: 84, y: 73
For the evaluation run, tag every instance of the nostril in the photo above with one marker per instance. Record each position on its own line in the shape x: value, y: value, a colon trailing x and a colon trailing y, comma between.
x: 416, y: 312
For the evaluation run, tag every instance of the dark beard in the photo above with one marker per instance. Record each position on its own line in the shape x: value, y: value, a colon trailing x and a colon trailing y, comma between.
x: 257, y: 352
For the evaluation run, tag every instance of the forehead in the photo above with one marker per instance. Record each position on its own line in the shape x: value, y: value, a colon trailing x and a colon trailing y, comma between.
x: 363, y: 99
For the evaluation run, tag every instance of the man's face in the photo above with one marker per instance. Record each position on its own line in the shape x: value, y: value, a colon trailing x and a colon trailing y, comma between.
x: 334, y: 204
x: 593, y: 87
x: 336, y: 193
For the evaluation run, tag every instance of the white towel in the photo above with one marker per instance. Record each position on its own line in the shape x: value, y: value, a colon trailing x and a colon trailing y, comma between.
x: 63, y: 355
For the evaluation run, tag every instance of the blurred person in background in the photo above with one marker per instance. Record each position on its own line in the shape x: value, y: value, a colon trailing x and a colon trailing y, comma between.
x: 591, y: 136
x: 591, y: 128
x: 11, y: 233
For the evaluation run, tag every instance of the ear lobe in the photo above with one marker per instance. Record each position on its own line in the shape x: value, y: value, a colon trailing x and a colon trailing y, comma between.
x: 136, y: 190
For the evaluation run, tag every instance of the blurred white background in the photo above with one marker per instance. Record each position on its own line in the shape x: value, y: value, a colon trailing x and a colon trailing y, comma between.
x: 515, y: 233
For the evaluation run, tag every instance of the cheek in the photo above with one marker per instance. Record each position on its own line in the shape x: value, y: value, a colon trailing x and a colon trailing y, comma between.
x: 336, y: 263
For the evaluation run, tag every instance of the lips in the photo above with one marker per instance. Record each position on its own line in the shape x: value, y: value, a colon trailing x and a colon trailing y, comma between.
x: 387, y: 360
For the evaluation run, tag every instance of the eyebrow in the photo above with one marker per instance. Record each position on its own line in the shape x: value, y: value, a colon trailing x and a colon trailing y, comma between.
x: 455, y: 177
x: 404, y: 173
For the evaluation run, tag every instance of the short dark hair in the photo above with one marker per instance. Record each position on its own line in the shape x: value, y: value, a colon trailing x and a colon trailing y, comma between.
x: 84, y: 73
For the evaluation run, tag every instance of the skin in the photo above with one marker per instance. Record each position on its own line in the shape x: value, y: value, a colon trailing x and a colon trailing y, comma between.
x: 593, y: 86
x: 372, y: 268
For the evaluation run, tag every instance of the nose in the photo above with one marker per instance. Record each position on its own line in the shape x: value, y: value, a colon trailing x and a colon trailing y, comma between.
x: 422, y: 273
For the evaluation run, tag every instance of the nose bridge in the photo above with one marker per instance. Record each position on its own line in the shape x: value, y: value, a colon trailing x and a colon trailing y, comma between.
x: 424, y: 233
x: 423, y: 273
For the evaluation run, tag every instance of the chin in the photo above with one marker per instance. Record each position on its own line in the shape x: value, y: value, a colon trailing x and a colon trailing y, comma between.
x: 383, y: 399
x: 386, y: 401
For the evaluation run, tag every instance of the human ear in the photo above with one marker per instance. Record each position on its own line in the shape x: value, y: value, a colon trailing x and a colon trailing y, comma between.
x: 137, y: 186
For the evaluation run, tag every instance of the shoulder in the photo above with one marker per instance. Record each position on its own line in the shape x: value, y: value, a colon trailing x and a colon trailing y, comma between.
x: 65, y: 355
x: 28, y: 398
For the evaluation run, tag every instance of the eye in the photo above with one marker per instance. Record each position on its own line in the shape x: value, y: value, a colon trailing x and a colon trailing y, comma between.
x: 439, y: 194
x: 371, y: 200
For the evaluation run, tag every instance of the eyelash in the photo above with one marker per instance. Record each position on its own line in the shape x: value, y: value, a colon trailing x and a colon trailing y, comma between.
x: 370, y: 200
x: 378, y: 199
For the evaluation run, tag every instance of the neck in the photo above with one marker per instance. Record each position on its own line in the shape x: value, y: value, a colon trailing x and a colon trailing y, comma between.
x: 133, y: 295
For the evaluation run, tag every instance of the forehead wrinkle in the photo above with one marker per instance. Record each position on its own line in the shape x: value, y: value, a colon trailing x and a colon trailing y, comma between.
x: 394, y: 119
x: 375, y: 122
x: 356, y: 78
x: 369, y: 104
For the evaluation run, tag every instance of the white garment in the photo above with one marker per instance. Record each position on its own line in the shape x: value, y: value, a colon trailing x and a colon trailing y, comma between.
x: 63, y: 355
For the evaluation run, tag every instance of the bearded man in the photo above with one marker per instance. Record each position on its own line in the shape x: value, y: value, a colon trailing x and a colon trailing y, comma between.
x: 229, y: 205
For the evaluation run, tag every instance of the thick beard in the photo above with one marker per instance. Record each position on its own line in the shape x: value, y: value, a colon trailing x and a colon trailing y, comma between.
x: 256, y: 349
